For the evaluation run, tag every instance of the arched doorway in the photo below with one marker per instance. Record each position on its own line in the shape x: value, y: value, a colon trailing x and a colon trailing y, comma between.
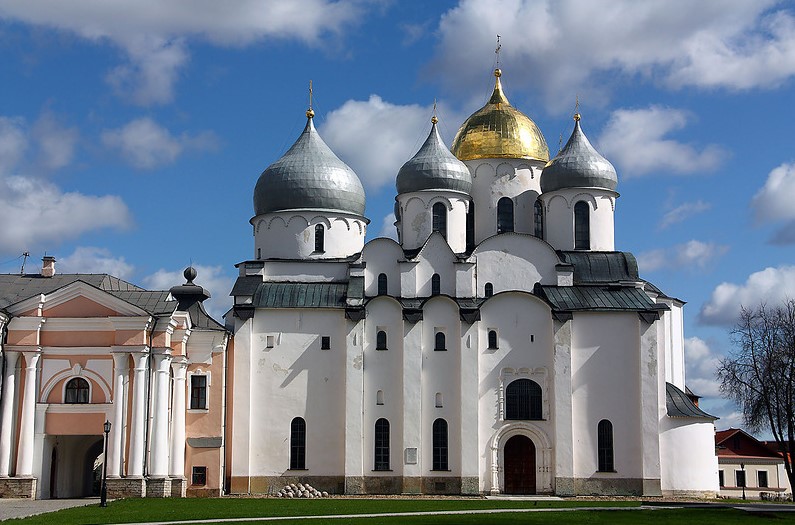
x: 520, y: 465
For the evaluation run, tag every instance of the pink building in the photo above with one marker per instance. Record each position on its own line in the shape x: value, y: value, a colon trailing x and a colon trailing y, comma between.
x: 82, y: 349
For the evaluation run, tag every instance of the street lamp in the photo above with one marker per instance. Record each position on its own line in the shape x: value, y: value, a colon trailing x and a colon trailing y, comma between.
x: 103, y: 493
x: 742, y: 467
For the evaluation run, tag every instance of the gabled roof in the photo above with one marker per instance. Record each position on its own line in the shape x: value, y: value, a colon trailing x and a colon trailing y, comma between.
x: 596, y: 298
x: 601, y: 267
x: 16, y: 288
x: 737, y: 442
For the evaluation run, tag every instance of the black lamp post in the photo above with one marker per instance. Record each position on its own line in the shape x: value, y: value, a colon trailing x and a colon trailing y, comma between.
x: 742, y: 466
x: 103, y: 492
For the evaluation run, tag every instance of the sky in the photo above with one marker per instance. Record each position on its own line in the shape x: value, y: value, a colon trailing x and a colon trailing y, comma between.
x: 132, y: 132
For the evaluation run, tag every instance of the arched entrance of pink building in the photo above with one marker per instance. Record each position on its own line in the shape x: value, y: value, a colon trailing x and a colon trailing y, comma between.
x: 75, y: 466
x: 520, y: 465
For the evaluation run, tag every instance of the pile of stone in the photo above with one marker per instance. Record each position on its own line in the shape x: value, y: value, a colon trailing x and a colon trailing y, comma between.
x: 300, y: 490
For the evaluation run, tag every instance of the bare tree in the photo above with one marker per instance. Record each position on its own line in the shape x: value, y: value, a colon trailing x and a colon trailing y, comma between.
x: 759, y: 374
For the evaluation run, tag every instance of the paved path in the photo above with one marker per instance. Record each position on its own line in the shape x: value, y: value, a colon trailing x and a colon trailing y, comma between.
x: 20, y: 508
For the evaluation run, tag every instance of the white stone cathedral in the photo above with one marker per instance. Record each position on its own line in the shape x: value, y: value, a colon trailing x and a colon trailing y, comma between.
x: 502, y: 345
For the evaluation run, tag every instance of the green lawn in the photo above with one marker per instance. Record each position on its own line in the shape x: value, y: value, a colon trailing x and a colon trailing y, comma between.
x: 137, y: 510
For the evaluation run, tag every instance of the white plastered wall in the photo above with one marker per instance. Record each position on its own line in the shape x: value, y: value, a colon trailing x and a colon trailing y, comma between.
x: 291, y: 234
x: 559, y: 217
x: 689, y: 463
x: 416, y: 222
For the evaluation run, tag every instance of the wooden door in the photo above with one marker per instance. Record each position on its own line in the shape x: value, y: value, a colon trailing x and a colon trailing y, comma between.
x: 520, y: 466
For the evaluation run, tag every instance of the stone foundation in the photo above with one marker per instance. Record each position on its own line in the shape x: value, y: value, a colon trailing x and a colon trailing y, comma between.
x: 608, y: 486
x: 203, y: 493
x: 158, y: 488
x: 18, y: 488
x: 273, y: 484
x: 178, y: 487
x: 126, y: 488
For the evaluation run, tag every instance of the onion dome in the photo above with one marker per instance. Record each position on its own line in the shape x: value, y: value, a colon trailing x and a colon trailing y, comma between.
x: 498, y: 130
x: 578, y: 165
x: 434, y: 168
x: 309, y: 176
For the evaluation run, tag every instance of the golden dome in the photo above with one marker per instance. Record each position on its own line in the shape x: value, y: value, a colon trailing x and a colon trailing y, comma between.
x: 498, y: 130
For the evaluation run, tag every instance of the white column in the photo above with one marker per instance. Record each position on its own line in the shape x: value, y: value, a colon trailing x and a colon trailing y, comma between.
x: 7, y: 412
x: 26, y: 426
x: 158, y: 458
x: 564, y: 410
x: 177, y: 468
x: 135, y: 465
x: 116, y: 439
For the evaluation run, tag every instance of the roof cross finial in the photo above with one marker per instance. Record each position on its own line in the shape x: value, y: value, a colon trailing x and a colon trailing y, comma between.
x: 577, y: 108
x: 310, y: 112
x: 497, y: 51
x: 434, y: 118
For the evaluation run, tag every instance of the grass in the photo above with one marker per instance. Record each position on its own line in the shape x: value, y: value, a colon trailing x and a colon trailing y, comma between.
x: 138, y: 510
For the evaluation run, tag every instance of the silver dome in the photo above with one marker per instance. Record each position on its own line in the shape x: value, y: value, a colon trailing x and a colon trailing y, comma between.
x: 578, y: 165
x: 309, y: 176
x: 434, y: 167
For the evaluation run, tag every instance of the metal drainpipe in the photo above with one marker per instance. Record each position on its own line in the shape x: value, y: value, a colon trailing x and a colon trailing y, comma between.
x: 225, y: 487
x: 147, y: 415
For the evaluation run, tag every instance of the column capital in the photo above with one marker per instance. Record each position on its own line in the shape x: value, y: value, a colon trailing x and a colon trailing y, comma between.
x: 32, y: 358
x: 179, y: 364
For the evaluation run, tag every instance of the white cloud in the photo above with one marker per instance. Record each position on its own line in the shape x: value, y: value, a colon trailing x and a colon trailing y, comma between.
x: 388, y: 227
x: 564, y: 47
x: 13, y: 143
x: 55, y: 141
x: 770, y: 286
x: 212, y: 278
x: 689, y: 256
x: 90, y: 259
x: 702, y: 363
x: 636, y: 140
x: 38, y: 213
x: 683, y: 212
x: 154, y: 34
x: 376, y: 137
x: 145, y: 144
x: 773, y: 202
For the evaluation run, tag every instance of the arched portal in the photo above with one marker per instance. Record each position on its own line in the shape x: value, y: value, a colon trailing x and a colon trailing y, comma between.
x: 75, y: 466
x: 520, y: 465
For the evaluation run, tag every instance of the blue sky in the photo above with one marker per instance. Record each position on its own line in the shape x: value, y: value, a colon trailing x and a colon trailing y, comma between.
x: 132, y: 132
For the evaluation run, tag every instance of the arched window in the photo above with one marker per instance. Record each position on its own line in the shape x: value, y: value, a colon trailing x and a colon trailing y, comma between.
x: 538, y: 219
x: 77, y: 391
x: 504, y: 215
x: 381, y: 444
x: 605, y: 446
x: 440, y: 445
x: 523, y: 400
x: 488, y: 290
x: 493, y: 339
x: 380, y: 340
x: 382, y: 282
x: 440, y: 219
x: 582, y: 226
x: 379, y: 397
x: 440, y: 343
x: 320, y: 243
x: 436, y: 284
x: 439, y: 402
x: 298, y: 444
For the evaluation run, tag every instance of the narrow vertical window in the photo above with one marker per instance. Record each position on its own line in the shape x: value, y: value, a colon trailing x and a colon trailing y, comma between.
x: 440, y: 219
x: 198, y: 392
x: 538, y: 219
x: 761, y: 479
x: 440, y: 343
x: 470, y: 233
x: 721, y: 482
x: 493, y: 339
x: 582, y: 226
x: 382, y: 284
x: 523, y: 400
x: 198, y: 476
x: 320, y: 242
x: 380, y: 340
x: 298, y: 444
x: 325, y: 342
x: 436, y: 284
x: 440, y: 445
x: 739, y: 476
x: 77, y: 391
x: 381, y: 444
x: 488, y: 290
x: 504, y: 215
x: 379, y: 397
x: 605, y: 446
x: 439, y: 402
